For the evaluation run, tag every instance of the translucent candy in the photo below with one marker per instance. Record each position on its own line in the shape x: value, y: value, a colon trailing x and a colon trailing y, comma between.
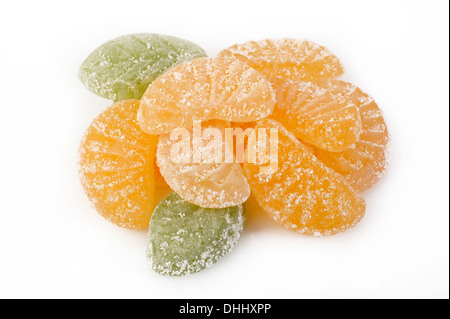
x: 207, y: 181
x: 303, y: 194
x: 205, y: 89
x: 160, y: 182
x: 123, y: 68
x: 363, y: 164
x: 116, y: 166
x: 316, y: 115
x: 185, y: 238
x: 299, y: 60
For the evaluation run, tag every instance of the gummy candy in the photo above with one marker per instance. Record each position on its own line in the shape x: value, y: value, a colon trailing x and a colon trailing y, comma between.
x: 208, y: 181
x: 316, y: 115
x: 327, y: 139
x: 160, y: 182
x: 185, y: 238
x: 123, y: 68
x: 299, y: 60
x: 116, y: 166
x: 303, y: 194
x: 205, y: 89
x: 362, y: 165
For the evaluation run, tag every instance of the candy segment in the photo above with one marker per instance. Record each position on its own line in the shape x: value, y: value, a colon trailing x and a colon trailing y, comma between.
x: 299, y: 60
x: 205, y: 89
x: 185, y: 238
x: 123, y: 68
x: 363, y: 164
x: 200, y: 175
x: 116, y: 166
x: 303, y: 194
x: 316, y: 115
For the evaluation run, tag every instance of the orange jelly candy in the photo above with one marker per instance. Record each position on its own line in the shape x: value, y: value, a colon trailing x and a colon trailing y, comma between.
x: 160, y: 182
x: 303, y: 194
x: 205, y: 89
x: 116, y: 166
x: 364, y: 163
x: 299, y: 60
x: 318, y: 116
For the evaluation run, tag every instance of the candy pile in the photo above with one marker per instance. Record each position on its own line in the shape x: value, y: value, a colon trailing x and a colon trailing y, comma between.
x: 330, y: 142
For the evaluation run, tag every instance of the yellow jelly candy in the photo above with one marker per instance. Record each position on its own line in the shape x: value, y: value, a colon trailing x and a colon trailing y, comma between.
x: 205, y: 89
x: 195, y: 167
x: 299, y: 60
x: 316, y: 115
x: 363, y: 164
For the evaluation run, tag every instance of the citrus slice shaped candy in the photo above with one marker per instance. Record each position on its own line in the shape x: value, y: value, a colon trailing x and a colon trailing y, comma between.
x: 363, y: 164
x: 316, y: 115
x: 201, y: 174
x: 303, y: 194
x: 205, y: 89
x: 299, y: 60
x: 116, y: 166
x: 185, y: 238
x: 123, y: 68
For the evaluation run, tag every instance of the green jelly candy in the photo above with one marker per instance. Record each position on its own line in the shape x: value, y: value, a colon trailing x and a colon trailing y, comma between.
x: 124, y: 67
x: 185, y: 238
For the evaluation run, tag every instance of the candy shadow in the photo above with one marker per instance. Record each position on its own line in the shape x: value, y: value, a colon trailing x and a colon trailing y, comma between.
x: 257, y: 219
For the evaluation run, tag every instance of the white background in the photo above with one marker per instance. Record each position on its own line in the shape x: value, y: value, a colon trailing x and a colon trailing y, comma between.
x: 53, y: 244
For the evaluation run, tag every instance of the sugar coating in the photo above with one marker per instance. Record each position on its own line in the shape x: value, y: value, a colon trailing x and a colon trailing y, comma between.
x: 304, y: 195
x: 316, y: 115
x: 210, y: 182
x: 300, y: 60
x: 185, y: 238
x: 116, y: 166
x: 205, y: 89
x: 363, y: 164
x: 123, y: 68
